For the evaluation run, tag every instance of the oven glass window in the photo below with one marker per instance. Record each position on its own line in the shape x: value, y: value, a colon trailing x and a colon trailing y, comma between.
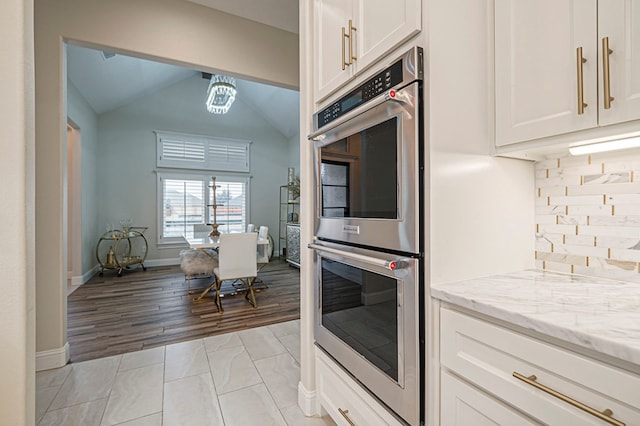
x: 359, y: 174
x: 360, y: 308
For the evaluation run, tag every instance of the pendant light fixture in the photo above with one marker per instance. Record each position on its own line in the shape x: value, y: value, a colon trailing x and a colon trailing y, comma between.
x: 220, y: 94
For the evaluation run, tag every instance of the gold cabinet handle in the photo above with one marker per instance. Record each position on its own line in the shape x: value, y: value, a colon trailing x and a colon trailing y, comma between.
x: 352, y: 29
x: 605, y: 73
x: 344, y: 61
x: 579, y: 61
x: 604, y: 415
x: 345, y: 414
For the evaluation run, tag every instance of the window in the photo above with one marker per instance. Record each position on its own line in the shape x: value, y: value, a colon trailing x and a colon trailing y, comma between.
x: 186, y: 200
x: 186, y: 164
x: 202, y: 152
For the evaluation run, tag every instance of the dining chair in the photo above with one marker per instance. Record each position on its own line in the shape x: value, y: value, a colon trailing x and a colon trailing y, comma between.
x: 237, y: 261
x: 262, y: 256
x: 251, y: 227
x: 197, y: 264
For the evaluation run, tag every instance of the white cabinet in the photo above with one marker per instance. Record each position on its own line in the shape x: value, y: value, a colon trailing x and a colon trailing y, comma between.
x: 620, y: 22
x: 551, y: 69
x: 543, y: 381
x: 344, y: 400
x: 464, y: 404
x: 350, y: 35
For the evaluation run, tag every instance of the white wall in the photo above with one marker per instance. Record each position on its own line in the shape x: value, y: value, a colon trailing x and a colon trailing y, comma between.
x: 174, y: 31
x: 294, y: 153
x: 480, y: 207
x: 17, y: 267
x: 82, y: 115
x: 127, y: 151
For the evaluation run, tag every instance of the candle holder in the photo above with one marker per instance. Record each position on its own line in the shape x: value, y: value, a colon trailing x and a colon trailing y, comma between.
x: 214, y: 226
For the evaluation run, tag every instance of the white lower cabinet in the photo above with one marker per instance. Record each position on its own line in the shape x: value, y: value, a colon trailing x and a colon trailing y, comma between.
x: 464, y: 404
x: 506, y: 377
x: 344, y: 400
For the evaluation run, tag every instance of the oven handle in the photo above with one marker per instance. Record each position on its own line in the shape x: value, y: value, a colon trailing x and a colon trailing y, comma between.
x: 391, y: 265
x: 393, y: 95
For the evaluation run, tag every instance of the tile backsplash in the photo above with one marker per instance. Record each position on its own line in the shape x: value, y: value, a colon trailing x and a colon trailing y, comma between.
x: 588, y: 214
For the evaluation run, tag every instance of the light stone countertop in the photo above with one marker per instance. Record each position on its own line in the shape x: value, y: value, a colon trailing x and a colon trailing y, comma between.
x: 595, y: 313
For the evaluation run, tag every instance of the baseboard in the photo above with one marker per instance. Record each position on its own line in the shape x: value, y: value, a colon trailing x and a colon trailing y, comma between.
x: 148, y: 263
x: 307, y: 401
x: 162, y: 262
x: 79, y: 280
x: 53, y: 358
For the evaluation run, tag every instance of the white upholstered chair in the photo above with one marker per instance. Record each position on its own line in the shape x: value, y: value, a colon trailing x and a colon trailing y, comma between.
x: 196, y: 264
x: 237, y: 261
x: 251, y: 227
x: 262, y: 256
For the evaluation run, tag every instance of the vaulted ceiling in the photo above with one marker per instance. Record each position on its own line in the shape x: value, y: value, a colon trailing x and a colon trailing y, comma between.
x: 108, y: 82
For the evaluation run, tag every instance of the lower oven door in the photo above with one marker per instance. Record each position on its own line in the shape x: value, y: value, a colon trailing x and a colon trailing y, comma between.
x: 367, y: 320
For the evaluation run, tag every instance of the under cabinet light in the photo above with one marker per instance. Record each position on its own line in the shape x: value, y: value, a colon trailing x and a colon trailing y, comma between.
x: 591, y: 148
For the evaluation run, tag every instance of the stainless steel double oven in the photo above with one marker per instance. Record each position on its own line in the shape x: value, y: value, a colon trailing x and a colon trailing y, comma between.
x: 368, y: 242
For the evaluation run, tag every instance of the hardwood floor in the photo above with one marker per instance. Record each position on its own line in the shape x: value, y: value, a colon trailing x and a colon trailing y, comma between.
x: 111, y: 315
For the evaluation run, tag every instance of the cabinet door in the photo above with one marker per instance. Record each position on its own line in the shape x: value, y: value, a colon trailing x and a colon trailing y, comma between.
x: 383, y: 25
x: 536, y: 68
x: 463, y: 404
x: 619, y: 21
x: 330, y: 18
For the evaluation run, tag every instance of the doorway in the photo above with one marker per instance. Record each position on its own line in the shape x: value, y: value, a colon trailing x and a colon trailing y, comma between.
x: 74, y: 207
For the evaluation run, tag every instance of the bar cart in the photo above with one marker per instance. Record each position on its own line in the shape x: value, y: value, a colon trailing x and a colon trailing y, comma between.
x: 121, y: 249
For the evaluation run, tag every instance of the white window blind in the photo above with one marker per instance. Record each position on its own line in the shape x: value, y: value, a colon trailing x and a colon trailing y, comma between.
x: 231, y: 198
x: 183, y: 205
x: 229, y: 157
x: 202, y: 153
x: 185, y: 202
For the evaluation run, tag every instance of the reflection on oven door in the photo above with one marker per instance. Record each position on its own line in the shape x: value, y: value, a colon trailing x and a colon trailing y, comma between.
x: 360, y: 308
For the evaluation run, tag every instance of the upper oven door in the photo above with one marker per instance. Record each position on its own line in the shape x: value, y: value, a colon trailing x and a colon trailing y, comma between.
x: 368, y: 174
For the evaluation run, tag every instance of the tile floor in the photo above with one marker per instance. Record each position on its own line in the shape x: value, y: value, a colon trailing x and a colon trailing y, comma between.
x: 244, y: 378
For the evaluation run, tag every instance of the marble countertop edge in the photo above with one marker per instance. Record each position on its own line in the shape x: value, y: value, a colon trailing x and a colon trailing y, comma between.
x: 603, y: 330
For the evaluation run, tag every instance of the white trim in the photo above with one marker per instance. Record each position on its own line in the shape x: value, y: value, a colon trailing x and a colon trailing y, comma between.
x: 162, y: 262
x: 308, y: 401
x: 78, y: 280
x: 53, y: 358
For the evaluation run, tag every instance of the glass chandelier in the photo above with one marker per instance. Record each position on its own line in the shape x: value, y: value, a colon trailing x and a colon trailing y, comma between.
x: 221, y: 93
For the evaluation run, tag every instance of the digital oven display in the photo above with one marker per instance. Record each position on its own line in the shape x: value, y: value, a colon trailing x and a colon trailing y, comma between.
x: 351, y: 101
x: 373, y: 87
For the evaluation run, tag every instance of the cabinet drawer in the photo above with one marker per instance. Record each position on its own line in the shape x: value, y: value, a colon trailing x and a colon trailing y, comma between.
x: 489, y: 355
x: 462, y: 405
x: 338, y: 392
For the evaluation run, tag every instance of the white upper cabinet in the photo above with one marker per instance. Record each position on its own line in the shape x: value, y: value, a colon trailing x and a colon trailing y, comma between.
x: 619, y: 24
x: 551, y: 71
x: 353, y: 34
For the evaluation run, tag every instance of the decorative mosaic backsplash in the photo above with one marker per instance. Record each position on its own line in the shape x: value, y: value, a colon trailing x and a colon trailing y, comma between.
x: 588, y: 214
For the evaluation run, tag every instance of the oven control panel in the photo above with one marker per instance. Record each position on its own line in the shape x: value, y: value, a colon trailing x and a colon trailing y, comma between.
x: 406, y: 69
x: 378, y: 84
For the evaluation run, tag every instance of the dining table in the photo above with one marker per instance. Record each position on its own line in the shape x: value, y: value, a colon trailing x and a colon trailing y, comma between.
x: 205, y: 243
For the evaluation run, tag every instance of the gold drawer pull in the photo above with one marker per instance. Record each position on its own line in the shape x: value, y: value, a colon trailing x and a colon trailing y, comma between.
x: 344, y: 36
x: 604, y: 415
x: 345, y: 414
x: 605, y: 73
x: 579, y: 61
x: 352, y: 29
